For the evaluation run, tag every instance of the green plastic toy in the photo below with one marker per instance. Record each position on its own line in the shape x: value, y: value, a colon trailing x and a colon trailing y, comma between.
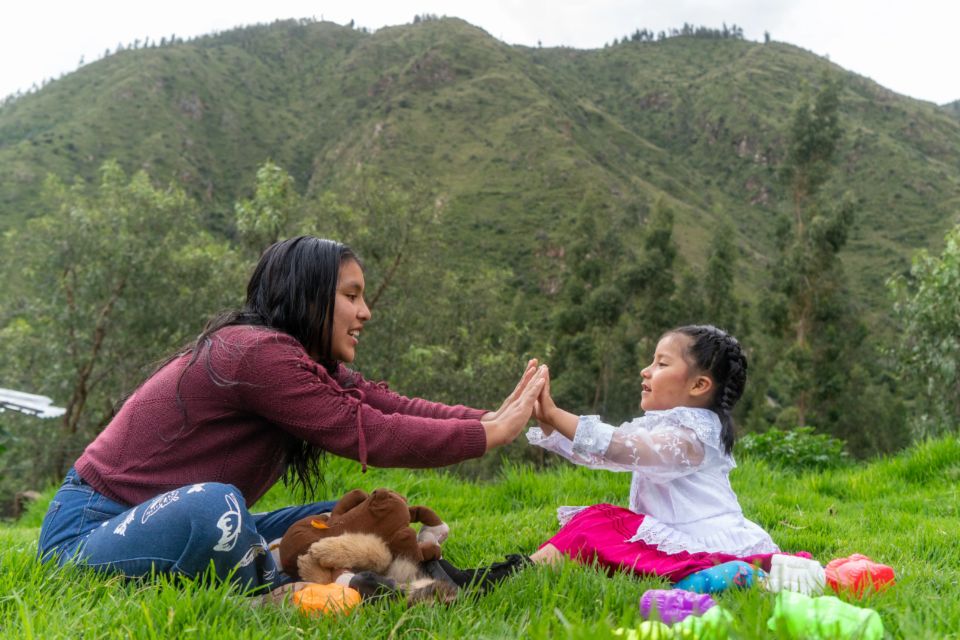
x: 823, y: 618
x: 715, y: 624
x: 646, y: 630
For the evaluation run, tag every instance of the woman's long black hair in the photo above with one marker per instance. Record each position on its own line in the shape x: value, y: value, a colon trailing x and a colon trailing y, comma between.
x: 717, y: 353
x: 293, y: 289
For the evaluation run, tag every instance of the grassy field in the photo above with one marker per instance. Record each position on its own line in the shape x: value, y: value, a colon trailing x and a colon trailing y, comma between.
x: 901, y: 511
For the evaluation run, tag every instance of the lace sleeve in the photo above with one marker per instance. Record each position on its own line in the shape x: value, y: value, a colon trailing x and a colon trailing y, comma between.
x: 557, y: 443
x: 669, y: 451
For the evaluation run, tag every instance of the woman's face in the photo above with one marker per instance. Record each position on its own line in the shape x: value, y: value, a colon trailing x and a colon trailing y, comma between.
x: 350, y: 312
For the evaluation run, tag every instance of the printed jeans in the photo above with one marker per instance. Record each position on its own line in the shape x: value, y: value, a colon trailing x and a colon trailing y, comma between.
x: 183, y: 532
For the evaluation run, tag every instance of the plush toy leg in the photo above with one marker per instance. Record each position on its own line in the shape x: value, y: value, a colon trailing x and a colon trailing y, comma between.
x: 372, y: 586
x: 485, y: 577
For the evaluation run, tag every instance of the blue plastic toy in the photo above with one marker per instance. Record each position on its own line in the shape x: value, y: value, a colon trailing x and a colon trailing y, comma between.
x: 735, y: 574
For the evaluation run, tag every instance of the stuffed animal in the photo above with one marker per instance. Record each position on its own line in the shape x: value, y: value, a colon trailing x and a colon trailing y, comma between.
x: 368, y: 532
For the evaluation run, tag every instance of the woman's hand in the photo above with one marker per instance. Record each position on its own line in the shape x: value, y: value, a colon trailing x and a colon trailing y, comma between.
x: 513, y: 416
x: 528, y: 374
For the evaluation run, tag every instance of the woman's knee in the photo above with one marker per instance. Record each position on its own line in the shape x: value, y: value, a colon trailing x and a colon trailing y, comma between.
x: 218, y: 514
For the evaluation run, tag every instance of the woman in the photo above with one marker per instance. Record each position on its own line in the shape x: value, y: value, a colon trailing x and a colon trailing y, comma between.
x: 262, y: 393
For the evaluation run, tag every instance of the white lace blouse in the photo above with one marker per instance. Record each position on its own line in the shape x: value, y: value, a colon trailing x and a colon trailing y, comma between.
x: 680, y: 479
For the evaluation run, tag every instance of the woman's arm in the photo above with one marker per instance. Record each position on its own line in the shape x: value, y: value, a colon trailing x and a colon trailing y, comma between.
x: 379, y: 396
x: 279, y: 382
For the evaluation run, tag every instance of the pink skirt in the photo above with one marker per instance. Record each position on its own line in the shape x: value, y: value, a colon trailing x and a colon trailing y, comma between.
x: 600, y: 534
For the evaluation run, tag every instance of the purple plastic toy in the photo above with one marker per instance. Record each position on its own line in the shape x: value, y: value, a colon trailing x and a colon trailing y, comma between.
x: 673, y: 605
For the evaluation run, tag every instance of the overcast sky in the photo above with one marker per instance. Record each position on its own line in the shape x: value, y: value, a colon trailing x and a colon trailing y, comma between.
x: 909, y: 47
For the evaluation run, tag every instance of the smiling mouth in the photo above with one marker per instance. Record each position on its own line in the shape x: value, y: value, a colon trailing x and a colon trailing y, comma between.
x: 645, y: 388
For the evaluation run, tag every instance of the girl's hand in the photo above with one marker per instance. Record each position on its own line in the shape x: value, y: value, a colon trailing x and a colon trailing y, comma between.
x: 513, y: 417
x: 550, y: 416
x: 545, y: 407
x: 528, y: 374
x: 537, y: 413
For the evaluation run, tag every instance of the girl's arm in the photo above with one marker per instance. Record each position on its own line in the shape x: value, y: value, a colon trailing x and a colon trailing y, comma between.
x: 671, y: 450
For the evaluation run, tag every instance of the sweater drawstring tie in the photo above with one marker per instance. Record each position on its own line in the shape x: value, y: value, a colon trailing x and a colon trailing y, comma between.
x: 311, y: 365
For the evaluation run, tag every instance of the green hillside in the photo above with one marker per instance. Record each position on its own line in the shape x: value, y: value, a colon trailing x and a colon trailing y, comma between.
x: 510, y: 138
x: 953, y: 108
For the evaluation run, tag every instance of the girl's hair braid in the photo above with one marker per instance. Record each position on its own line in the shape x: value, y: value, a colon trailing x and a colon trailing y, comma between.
x: 719, y: 354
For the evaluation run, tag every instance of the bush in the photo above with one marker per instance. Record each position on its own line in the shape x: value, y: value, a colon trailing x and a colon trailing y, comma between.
x: 798, y: 449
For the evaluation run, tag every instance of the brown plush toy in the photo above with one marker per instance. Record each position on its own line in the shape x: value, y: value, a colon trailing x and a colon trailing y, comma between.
x: 364, y: 532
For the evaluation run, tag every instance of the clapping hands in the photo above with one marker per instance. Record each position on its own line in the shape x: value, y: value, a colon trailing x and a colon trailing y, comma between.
x: 505, y: 424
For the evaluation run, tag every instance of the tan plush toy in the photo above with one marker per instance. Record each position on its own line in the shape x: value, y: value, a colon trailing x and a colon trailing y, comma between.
x: 364, y: 532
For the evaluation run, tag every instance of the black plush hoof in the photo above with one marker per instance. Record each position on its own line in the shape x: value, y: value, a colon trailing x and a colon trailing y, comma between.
x: 485, y: 577
x: 374, y: 586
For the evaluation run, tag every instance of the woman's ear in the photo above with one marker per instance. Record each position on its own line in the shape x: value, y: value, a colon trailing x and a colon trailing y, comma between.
x: 702, y: 387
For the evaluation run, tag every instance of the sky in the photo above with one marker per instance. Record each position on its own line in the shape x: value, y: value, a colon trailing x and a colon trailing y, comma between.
x: 905, y: 46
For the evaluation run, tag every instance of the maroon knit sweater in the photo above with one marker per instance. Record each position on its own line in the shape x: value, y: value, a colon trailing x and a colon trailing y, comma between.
x: 243, y: 402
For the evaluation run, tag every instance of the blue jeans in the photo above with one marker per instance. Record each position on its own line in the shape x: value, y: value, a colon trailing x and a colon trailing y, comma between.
x: 181, y: 532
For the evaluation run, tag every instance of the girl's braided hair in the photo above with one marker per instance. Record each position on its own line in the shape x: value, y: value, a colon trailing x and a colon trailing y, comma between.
x: 716, y: 352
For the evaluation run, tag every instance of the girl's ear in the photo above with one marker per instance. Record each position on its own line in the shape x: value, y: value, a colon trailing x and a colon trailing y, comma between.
x: 702, y: 387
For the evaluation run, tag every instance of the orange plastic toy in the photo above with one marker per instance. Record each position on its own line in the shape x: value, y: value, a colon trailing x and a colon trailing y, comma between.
x: 326, y: 599
x: 858, y: 573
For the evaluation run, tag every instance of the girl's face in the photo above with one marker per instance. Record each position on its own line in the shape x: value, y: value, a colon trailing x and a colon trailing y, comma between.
x: 669, y: 381
x: 350, y: 312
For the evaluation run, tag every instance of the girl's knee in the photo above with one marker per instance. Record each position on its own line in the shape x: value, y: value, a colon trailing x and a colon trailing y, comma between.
x: 547, y: 554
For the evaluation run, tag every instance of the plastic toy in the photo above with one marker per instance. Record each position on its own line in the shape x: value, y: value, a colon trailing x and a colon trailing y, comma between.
x: 733, y: 574
x: 823, y: 618
x: 673, y: 605
x: 326, y: 599
x: 858, y: 573
x: 646, y: 630
x: 793, y: 573
x: 715, y: 624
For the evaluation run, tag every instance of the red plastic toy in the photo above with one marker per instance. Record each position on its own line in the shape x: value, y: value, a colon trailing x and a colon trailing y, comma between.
x: 858, y: 573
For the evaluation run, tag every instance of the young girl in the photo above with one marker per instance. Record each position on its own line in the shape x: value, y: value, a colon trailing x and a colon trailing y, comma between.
x: 683, y: 514
x: 261, y: 394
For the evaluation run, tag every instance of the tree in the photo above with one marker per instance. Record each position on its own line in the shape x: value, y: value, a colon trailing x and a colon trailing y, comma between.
x: 274, y: 208
x: 807, y: 284
x: 389, y: 225
x: 104, y: 281
x: 618, y: 296
x: 721, y: 305
x: 928, y: 353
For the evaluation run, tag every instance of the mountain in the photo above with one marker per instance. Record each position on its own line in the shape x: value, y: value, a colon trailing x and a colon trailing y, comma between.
x: 511, y: 138
x: 953, y: 108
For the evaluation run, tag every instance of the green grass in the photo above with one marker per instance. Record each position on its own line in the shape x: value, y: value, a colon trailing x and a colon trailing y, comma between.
x: 901, y: 511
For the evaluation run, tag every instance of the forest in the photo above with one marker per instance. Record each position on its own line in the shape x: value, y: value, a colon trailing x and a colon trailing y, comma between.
x: 507, y: 203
